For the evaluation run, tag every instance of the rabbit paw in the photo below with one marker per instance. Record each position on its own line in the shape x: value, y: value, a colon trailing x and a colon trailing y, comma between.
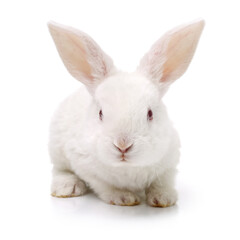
x: 162, y: 199
x: 121, y: 198
x: 69, y: 188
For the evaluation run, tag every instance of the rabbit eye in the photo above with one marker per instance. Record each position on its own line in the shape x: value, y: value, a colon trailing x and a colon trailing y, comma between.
x: 100, y: 115
x: 150, y: 115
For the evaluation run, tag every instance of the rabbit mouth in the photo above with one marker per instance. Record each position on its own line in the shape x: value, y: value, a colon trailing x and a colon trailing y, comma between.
x: 123, y: 158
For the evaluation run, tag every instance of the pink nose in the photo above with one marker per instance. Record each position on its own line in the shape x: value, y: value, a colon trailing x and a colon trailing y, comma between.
x: 123, y: 149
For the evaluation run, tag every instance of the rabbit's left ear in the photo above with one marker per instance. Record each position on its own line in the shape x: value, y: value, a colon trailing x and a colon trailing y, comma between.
x: 81, y: 55
x: 170, y: 56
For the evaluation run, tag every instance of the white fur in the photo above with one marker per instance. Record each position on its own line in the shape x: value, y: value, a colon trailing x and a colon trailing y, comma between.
x: 82, y: 146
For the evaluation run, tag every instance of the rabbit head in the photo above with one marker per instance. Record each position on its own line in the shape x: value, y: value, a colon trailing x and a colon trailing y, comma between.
x: 127, y: 118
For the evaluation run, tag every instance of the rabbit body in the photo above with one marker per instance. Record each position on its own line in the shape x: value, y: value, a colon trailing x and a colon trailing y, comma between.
x: 114, y: 134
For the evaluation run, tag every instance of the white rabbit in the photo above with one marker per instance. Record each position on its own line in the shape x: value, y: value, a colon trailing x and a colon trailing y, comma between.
x: 114, y: 134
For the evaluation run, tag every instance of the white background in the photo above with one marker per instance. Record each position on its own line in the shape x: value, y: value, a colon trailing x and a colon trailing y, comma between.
x: 203, y: 104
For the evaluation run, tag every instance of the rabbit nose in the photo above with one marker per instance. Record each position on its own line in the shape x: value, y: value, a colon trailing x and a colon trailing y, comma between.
x: 123, y: 149
x: 123, y: 144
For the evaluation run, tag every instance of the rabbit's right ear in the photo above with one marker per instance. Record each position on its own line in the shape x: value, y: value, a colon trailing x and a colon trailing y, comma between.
x: 81, y: 55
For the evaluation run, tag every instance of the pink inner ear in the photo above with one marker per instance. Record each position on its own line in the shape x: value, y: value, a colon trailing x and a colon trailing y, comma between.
x: 177, y: 54
x: 180, y: 50
x: 81, y: 55
x: 171, y: 55
x: 77, y: 56
x: 71, y: 49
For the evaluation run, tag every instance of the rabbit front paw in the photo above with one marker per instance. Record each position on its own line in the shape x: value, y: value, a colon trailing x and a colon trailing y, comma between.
x: 162, y: 198
x: 68, y: 187
x: 121, y: 198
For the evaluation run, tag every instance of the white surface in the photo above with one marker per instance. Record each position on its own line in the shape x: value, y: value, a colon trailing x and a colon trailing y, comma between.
x: 204, y: 105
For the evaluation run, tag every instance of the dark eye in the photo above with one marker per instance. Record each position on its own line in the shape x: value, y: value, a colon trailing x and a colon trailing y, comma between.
x: 150, y: 115
x: 100, y: 115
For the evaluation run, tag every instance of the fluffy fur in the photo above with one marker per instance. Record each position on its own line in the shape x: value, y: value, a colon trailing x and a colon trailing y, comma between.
x: 102, y: 137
